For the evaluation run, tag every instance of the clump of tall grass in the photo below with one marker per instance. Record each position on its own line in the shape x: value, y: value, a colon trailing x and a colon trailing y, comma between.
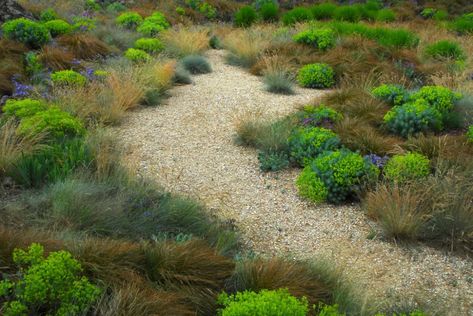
x: 196, y: 64
x: 277, y: 75
x: 245, y: 46
x: 183, y: 42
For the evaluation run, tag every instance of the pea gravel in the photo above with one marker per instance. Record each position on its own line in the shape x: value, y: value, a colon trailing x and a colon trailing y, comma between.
x: 187, y: 146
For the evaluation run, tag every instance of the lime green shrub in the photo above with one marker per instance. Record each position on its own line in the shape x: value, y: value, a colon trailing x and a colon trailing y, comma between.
x: 23, y: 108
x: 316, y: 115
x: 58, y: 27
x: 411, y: 166
x: 149, y: 45
x: 296, y: 15
x: 348, y: 13
x: 323, y: 11
x: 386, y: 15
x: 83, y: 23
x: 322, y: 39
x: 92, y: 5
x: 340, y: 172
x: 68, y: 78
x: 391, y: 94
x: 316, y: 76
x: 26, y: 31
x: 137, y: 55
x: 413, y: 117
x: 153, y: 24
x: 245, y: 17
x: 440, y: 98
x: 269, y: 12
x: 48, y: 15
x: 51, y: 285
x: 129, y: 20
x: 264, y: 303
x: 445, y: 49
x: 33, y: 65
x: 463, y: 24
x: 306, y: 143
x: 469, y: 134
x: 428, y: 13
x: 55, y: 122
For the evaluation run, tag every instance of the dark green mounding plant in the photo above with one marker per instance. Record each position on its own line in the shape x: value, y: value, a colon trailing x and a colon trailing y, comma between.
x: 149, y: 45
x: 137, y: 55
x: 411, y: 166
x: 68, y: 78
x: 463, y: 25
x: 445, y: 49
x: 323, y: 11
x: 318, y: 115
x: 440, y: 98
x: 412, y: 118
x: 26, y: 31
x: 391, y: 94
x: 58, y: 27
x: 263, y: 303
x: 335, y: 176
x: 129, y: 20
x: 245, y: 17
x: 307, y: 143
x: 153, y: 24
x: 296, y: 15
x: 269, y: 12
x: 316, y: 76
x: 322, y: 39
x: 196, y: 64
x: 51, y: 285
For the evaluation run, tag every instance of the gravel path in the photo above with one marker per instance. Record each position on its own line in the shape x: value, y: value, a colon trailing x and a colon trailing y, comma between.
x: 187, y: 146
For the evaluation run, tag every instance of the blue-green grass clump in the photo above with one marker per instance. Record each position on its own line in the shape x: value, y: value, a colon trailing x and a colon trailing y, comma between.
x: 196, y: 64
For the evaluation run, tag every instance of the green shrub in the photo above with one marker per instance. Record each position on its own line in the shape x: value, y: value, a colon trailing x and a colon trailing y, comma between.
x: 149, y: 45
x: 269, y: 12
x: 469, y: 134
x: 137, y: 55
x: 48, y: 15
x: 83, y: 23
x: 51, y: 285
x: 264, y: 303
x: 23, y: 108
x: 33, y: 65
x: 54, y: 121
x: 58, y: 27
x: 318, y: 115
x: 413, y: 117
x: 273, y: 161
x: 428, y: 13
x: 463, y: 25
x: 296, y: 15
x: 340, y: 172
x: 245, y: 17
x: 316, y: 76
x: 68, y: 78
x: 215, y: 43
x: 440, y: 98
x: 391, y: 94
x: 349, y: 13
x: 196, y: 64
x: 386, y: 15
x: 411, y: 166
x: 26, y: 31
x: 153, y: 24
x: 445, y: 49
x: 320, y: 38
x: 116, y: 7
x: 129, y: 20
x: 306, y: 143
x: 323, y: 11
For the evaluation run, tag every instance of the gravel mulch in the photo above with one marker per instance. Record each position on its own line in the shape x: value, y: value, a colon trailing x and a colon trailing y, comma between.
x: 187, y: 146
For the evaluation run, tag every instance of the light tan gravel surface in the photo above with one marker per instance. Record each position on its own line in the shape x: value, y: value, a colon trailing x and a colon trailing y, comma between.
x: 187, y: 146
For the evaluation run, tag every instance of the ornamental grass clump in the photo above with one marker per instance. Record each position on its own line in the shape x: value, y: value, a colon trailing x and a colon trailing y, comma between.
x: 463, y: 25
x: 322, y: 39
x: 269, y: 12
x: 445, y: 50
x: 323, y: 11
x: 245, y: 17
x: 306, y: 143
x: 129, y: 20
x: 27, y: 32
x: 391, y: 94
x: 296, y: 15
x: 316, y: 76
x: 469, y: 134
x: 68, y: 78
x: 408, y: 167
x: 196, y: 64
x: 348, y: 13
x: 335, y: 176
x: 385, y: 15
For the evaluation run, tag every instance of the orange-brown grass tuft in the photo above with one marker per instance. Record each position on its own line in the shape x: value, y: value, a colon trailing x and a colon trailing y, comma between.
x: 161, y: 75
x: 56, y: 58
x: 184, y: 41
x: 84, y: 46
x: 11, y: 63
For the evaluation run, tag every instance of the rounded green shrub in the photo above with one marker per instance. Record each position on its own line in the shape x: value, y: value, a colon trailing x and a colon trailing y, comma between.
x: 53, y: 285
x: 129, y: 20
x: 68, y: 78
x: 23, y: 108
x: 428, y: 13
x: 391, y: 94
x: 83, y: 23
x: 318, y: 115
x: 48, y: 15
x: 269, y: 12
x: 245, y: 17
x: 153, y: 24
x: 296, y: 15
x: 306, y: 143
x: 58, y: 27
x: 149, y: 45
x: 411, y: 166
x: 340, y: 172
x: 322, y: 39
x: 137, y: 55
x: 445, y: 49
x: 55, y: 122
x: 469, y: 134
x: 323, y: 11
x: 26, y: 31
x: 316, y: 76
x: 349, y: 13
x: 440, y: 98
x: 385, y: 15
x: 263, y: 303
x: 413, y: 117
x: 463, y: 24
